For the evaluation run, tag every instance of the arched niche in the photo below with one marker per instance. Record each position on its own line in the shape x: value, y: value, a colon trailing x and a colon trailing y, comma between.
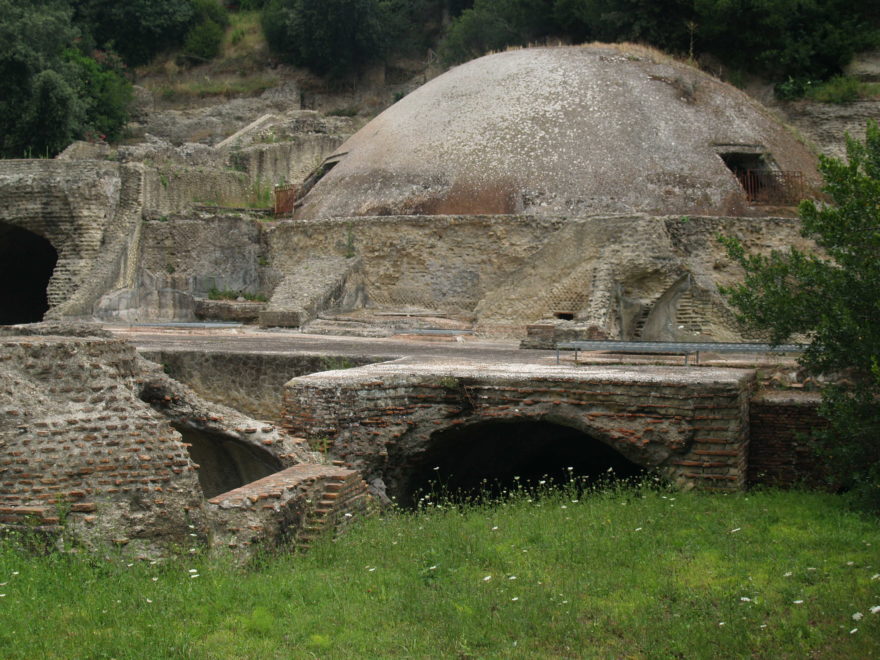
x: 492, y: 456
x: 27, y: 262
x: 226, y: 463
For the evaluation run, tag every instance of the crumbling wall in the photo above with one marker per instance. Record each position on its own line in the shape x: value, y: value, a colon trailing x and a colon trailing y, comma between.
x: 438, y: 262
x: 510, y: 271
x: 184, y: 257
x: 89, y: 446
x: 289, y: 509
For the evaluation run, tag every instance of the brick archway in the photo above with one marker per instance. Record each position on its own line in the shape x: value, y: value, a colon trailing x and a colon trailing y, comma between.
x: 492, y: 456
x: 690, y: 424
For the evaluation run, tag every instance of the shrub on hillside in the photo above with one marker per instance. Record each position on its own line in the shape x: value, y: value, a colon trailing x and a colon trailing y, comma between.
x: 332, y: 37
x: 203, y: 42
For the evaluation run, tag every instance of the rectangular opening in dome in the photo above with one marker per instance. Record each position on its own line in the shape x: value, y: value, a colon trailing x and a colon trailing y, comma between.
x: 761, y: 180
x: 316, y: 175
x: 750, y: 169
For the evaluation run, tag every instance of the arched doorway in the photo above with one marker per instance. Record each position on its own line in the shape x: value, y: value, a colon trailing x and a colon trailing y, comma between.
x: 26, y: 265
x: 497, y: 455
x: 225, y: 463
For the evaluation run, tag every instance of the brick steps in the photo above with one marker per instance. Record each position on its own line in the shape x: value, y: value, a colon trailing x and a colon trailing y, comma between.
x: 300, y: 504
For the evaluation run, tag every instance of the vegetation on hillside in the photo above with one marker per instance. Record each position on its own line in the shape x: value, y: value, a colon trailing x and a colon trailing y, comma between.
x: 638, y: 573
x: 833, y: 297
x: 63, y: 63
x: 785, y: 40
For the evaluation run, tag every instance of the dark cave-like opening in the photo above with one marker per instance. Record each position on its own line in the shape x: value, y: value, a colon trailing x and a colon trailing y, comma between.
x: 489, y: 458
x: 226, y: 463
x: 26, y: 265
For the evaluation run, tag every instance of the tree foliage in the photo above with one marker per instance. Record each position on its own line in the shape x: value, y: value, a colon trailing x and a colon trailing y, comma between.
x: 800, y: 39
x: 328, y: 36
x: 52, y: 92
x: 136, y: 29
x: 832, y: 297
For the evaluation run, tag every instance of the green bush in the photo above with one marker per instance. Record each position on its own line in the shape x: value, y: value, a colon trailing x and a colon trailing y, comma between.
x: 204, y: 41
x: 136, y: 29
x: 330, y: 37
x: 494, y: 25
x: 840, y: 89
x: 781, y: 293
x: 211, y: 10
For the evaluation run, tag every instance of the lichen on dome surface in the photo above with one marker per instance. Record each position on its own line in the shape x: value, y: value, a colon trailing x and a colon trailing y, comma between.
x: 561, y: 131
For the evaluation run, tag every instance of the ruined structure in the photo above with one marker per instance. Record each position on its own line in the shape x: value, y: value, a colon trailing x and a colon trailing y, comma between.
x: 101, y: 446
x: 465, y: 424
x: 579, y: 185
x: 544, y: 194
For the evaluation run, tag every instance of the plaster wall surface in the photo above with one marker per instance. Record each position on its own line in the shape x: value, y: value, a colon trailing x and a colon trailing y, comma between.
x: 690, y: 424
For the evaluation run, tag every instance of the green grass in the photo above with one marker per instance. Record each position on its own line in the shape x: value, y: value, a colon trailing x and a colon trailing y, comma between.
x: 843, y: 89
x: 221, y: 87
x: 625, y: 574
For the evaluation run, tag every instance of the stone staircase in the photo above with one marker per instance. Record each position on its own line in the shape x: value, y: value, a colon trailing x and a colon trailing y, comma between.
x: 290, y: 508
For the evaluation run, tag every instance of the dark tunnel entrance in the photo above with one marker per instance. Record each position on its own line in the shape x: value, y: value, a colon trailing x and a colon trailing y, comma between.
x: 26, y: 264
x: 226, y: 463
x: 491, y: 457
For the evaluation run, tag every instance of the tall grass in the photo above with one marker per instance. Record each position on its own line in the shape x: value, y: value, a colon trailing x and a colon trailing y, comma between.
x: 634, y: 573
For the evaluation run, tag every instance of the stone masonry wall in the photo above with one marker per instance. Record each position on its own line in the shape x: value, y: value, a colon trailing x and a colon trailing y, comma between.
x: 380, y: 419
x: 89, y: 211
x: 510, y: 271
x: 439, y: 262
x: 250, y: 382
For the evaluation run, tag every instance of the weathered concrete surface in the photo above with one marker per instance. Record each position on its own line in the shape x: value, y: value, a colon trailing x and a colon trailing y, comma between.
x: 558, y: 131
x: 690, y: 424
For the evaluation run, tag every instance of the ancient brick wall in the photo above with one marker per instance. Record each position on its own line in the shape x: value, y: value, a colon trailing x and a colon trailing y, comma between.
x: 380, y: 419
x: 293, y: 507
x: 77, y: 443
x: 780, y: 453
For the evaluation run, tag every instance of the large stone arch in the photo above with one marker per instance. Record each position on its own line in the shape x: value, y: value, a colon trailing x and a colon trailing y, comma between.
x: 89, y: 211
x: 690, y: 424
x: 27, y: 262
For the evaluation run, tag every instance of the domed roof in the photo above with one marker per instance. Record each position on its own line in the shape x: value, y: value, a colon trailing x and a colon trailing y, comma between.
x: 576, y: 130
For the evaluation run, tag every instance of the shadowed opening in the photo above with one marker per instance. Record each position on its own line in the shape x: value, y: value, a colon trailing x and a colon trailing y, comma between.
x: 492, y: 457
x: 225, y: 463
x: 747, y: 168
x: 26, y: 265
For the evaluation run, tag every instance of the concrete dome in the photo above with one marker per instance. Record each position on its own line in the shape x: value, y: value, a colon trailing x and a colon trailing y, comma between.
x: 559, y: 131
